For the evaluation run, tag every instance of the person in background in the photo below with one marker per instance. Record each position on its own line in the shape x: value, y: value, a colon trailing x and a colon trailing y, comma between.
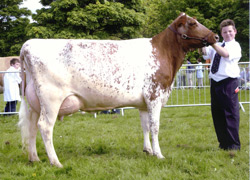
x: 112, y: 111
x: 11, y: 86
x: 199, y: 74
x: 189, y: 72
x: 224, y: 74
x: 244, y: 78
x: 181, y: 78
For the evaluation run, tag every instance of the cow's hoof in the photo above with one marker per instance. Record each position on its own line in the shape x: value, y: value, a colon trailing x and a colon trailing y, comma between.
x: 59, y: 165
x: 34, y: 158
x: 148, y: 151
x: 159, y: 156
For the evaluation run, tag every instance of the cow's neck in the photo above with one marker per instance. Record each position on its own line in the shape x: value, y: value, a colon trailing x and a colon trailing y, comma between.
x: 170, y: 55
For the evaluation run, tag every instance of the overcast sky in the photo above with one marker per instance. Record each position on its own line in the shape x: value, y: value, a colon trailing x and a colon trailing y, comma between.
x: 32, y: 5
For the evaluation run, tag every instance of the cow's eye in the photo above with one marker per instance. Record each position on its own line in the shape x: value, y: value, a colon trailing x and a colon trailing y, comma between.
x: 192, y: 24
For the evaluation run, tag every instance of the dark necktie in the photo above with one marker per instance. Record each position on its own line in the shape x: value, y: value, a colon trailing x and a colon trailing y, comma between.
x: 216, y: 61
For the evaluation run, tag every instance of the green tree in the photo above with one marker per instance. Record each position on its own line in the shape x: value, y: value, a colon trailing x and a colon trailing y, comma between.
x: 160, y: 14
x: 210, y: 13
x: 88, y: 19
x: 13, y: 21
x: 239, y: 12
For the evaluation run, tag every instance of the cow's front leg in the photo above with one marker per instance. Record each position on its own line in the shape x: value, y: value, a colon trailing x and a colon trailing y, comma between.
x: 154, y: 110
x: 146, y: 129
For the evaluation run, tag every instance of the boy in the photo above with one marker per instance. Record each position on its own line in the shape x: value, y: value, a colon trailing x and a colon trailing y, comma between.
x: 224, y: 89
x: 11, y: 87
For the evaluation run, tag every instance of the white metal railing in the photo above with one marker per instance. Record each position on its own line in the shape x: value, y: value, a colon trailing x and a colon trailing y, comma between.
x: 187, y: 92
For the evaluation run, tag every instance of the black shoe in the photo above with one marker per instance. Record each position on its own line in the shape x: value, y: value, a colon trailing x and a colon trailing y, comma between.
x: 234, y: 147
x: 230, y: 148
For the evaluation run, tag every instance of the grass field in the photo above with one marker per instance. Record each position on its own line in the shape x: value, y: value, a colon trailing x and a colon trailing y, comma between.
x: 110, y: 147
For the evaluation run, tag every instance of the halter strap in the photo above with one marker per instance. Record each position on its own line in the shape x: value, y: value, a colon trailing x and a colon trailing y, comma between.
x: 186, y: 37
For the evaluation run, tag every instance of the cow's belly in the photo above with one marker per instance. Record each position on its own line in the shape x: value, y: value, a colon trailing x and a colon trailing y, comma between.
x: 97, y: 101
x: 100, y: 93
x: 87, y: 99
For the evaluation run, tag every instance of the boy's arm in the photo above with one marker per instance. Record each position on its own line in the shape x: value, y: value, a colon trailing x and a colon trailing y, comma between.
x: 220, y: 50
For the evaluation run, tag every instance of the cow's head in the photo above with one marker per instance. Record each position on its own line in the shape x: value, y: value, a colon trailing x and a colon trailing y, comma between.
x: 191, y: 33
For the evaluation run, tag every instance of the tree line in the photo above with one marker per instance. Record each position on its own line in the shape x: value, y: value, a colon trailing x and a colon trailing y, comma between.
x: 113, y: 19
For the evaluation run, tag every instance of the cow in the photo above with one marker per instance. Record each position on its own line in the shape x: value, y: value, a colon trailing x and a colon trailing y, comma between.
x: 65, y: 75
x: 4, y: 65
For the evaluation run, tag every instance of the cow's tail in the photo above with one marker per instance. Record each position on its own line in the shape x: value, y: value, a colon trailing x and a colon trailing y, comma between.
x: 24, y: 115
x: 23, y: 123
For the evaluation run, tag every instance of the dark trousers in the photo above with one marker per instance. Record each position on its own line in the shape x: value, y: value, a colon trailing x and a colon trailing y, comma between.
x: 225, y: 112
x: 10, y: 106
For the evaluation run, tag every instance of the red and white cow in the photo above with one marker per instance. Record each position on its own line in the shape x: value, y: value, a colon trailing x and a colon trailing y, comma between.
x: 63, y: 76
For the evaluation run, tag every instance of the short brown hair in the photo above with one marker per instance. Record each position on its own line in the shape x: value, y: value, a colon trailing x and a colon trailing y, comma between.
x: 14, y: 61
x: 227, y: 22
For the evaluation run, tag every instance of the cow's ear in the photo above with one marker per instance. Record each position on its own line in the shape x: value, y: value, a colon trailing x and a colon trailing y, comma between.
x: 182, y: 20
x: 181, y: 14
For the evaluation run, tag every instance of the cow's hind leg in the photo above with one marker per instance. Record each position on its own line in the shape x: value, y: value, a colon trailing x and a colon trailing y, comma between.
x: 32, y: 136
x: 146, y: 129
x: 46, y: 124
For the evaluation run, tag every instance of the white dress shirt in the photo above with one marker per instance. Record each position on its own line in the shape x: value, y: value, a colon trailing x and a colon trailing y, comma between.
x: 11, y: 88
x: 228, y: 66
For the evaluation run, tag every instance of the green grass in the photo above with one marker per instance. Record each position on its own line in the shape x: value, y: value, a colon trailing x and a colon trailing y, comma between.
x: 110, y: 147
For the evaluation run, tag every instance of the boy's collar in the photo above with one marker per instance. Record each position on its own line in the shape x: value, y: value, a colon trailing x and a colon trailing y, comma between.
x: 228, y: 41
